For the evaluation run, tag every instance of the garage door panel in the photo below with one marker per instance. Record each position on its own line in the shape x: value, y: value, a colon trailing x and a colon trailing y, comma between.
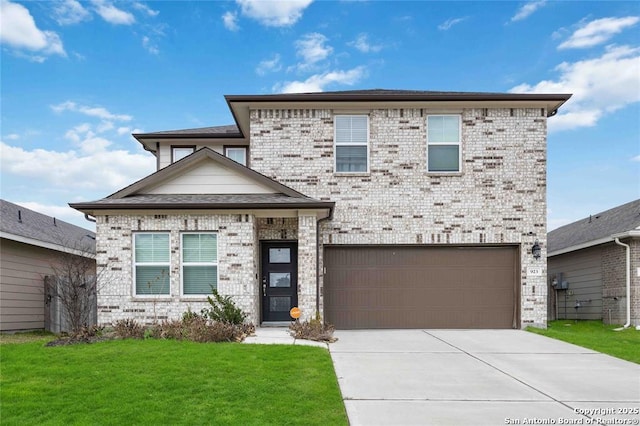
x: 420, y: 287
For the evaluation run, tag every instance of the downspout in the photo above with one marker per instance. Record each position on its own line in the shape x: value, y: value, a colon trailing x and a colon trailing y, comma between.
x: 628, y: 279
x: 86, y: 216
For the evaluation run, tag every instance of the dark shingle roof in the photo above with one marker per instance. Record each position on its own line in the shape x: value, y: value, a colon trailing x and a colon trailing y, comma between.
x: 596, y: 227
x: 204, y: 201
x: 22, y: 222
x: 228, y: 130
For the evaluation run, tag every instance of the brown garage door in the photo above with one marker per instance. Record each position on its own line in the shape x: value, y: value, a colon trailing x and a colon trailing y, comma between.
x: 421, y: 287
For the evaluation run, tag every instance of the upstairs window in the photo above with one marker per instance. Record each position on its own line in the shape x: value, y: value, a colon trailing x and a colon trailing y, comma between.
x: 443, y: 143
x: 151, y: 263
x: 199, y: 263
x: 179, y: 152
x: 237, y: 154
x: 351, y: 143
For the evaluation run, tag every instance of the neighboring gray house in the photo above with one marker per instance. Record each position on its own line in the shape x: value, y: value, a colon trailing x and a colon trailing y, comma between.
x: 370, y: 208
x: 30, y: 245
x: 585, y: 256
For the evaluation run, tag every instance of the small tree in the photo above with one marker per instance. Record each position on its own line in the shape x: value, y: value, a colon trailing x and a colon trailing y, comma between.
x: 75, y: 283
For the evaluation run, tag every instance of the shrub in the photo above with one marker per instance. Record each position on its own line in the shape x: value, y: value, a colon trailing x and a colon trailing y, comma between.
x: 312, y: 330
x: 168, y: 329
x: 85, y: 334
x: 128, y: 329
x: 223, y: 309
x: 198, y: 328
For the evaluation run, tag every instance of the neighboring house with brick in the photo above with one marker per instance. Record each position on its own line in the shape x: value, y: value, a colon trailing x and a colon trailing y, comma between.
x: 372, y: 209
x: 31, y: 244
x: 594, y: 269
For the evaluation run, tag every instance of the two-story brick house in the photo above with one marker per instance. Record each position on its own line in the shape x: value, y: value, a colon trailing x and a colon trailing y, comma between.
x: 373, y: 208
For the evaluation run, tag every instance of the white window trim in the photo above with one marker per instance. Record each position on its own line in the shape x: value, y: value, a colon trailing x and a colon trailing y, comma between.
x: 231, y: 148
x: 336, y: 144
x: 459, y: 143
x: 182, y: 263
x: 173, y: 152
x: 135, y: 264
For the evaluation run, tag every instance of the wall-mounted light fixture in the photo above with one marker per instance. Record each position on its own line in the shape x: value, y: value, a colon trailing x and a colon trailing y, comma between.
x: 536, y: 251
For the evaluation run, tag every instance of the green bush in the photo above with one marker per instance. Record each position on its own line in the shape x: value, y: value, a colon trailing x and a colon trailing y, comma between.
x: 223, y: 309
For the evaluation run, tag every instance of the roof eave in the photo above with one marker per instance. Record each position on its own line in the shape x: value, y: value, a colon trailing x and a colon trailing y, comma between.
x: 47, y: 245
x: 241, y: 116
x: 92, y: 208
x: 628, y: 234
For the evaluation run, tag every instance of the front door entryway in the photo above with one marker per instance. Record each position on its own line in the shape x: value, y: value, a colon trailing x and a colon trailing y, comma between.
x: 279, y: 280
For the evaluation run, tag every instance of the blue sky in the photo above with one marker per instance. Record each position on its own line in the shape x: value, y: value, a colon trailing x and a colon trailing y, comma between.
x: 79, y: 77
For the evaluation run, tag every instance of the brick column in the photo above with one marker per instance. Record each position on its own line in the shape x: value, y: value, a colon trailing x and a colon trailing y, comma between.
x: 307, y: 265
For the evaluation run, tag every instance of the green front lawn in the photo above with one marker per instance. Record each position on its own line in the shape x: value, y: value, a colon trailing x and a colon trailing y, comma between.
x: 595, y: 335
x: 168, y: 382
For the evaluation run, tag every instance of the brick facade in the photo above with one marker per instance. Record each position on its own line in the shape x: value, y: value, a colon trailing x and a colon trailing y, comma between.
x: 498, y: 198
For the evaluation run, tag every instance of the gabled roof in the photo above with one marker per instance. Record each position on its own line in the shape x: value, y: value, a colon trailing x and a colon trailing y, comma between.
x: 133, y: 196
x: 21, y: 224
x: 239, y: 106
x: 595, y: 229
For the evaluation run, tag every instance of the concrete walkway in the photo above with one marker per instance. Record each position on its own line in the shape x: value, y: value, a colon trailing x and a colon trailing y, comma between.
x: 480, y: 377
x: 279, y: 336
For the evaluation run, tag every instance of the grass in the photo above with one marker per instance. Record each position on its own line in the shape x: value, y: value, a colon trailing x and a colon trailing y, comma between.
x: 595, y: 335
x: 26, y: 337
x: 168, y: 382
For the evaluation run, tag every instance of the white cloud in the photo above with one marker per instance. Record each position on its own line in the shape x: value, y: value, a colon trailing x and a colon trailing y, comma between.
x: 90, y: 111
x: 281, y: 13
x: 450, y: 23
x: 13, y: 136
x: 70, y: 12
x: 230, y: 20
x: 598, y: 32
x: 144, y: 8
x: 312, y: 48
x: 269, y: 65
x: 94, y: 167
x: 150, y: 46
x: 123, y: 130
x: 363, y: 44
x: 112, y: 14
x: 636, y: 158
x: 526, y: 10
x: 317, y: 82
x: 19, y: 30
x: 74, y: 134
x: 599, y: 85
x: 104, y: 126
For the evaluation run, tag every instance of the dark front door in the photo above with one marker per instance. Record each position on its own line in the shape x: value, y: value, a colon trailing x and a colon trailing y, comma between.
x: 279, y: 280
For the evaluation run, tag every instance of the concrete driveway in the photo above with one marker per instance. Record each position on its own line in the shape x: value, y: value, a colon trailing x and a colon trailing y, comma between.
x: 480, y: 377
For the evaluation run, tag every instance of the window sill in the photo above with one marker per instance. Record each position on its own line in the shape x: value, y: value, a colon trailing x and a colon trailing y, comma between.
x: 443, y: 174
x: 355, y: 174
x: 146, y: 298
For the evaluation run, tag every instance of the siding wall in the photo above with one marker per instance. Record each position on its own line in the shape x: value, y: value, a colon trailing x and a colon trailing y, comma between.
x: 597, y: 274
x: 614, y: 282
x: 22, y: 271
x: 583, y: 271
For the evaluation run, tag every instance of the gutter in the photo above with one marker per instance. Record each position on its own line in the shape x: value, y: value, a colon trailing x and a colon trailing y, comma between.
x: 628, y: 280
